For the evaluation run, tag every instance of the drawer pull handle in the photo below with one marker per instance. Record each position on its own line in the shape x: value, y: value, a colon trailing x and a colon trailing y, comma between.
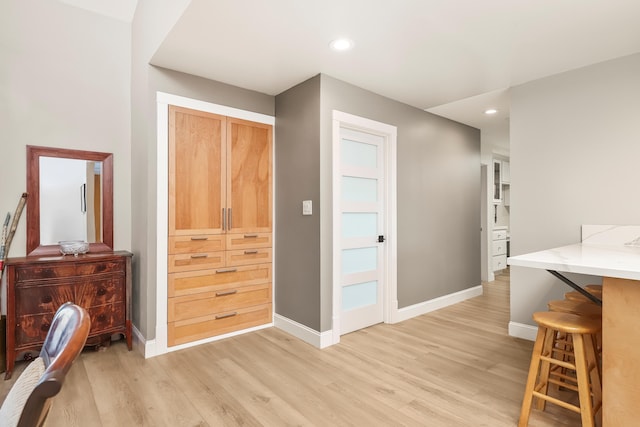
x: 199, y: 238
x: 227, y: 270
x: 224, y: 316
x: 101, y: 318
x: 45, y: 327
x: 101, y: 292
x: 225, y: 293
x: 250, y: 252
x: 199, y: 256
x: 47, y: 299
x: 250, y: 236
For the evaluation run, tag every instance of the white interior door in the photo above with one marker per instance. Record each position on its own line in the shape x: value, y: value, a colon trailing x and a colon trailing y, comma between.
x: 361, y: 213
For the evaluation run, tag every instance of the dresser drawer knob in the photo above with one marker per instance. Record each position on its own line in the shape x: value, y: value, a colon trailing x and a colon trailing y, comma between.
x: 45, y: 327
x: 47, y: 299
x: 224, y: 316
x: 101, y: 318
x: 101, y: 292
x: 225, y: 293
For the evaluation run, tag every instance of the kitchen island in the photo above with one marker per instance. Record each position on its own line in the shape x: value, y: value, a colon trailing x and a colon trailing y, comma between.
x: 616, y: 257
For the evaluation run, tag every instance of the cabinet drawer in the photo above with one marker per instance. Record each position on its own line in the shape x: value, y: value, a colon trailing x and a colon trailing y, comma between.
x: 105, y: 318
x: 200, y: 261
x: 499, y: 247
x: 248, y: 241
x: 42, y: 299
x: 44, y: 271
x: 499, y: 262
x: 180, y: 332
x: 224, y: 300
x: 196, y: 244
x: 499, y: 234
x: 193, y: 282
x: 248, y: 256
x: 107, y: 290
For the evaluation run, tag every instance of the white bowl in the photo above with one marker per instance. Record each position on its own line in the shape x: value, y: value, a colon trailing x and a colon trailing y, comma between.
x: 73, y: 247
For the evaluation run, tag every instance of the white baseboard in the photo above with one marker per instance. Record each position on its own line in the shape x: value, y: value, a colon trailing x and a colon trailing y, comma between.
x: 419, y: 309
x: 305, y: 333
x: 141, y: 345
x: 522, y: 330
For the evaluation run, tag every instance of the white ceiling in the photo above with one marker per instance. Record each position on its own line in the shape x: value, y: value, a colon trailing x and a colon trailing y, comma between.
x: 451, y: 57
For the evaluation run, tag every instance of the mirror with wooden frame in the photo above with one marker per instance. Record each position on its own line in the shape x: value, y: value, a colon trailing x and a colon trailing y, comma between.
x: 70, y: 198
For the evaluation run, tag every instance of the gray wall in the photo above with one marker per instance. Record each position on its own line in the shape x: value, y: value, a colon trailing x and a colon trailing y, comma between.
x: 575, y: 145
x: 438, y: 198
x: 438, y: 195
x: 64, y: 84
x: 149, y: 27
x: 297, y: 168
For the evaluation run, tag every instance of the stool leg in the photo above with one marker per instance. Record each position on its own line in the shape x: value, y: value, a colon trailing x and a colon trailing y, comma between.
x: 582, y: 374
x: 531, y: 379
x: 545, y: 367
x: 595, y: 375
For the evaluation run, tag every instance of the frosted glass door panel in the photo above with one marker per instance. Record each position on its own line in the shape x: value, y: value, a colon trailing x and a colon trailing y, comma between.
x: 359, y: 295
x: 359, y: 154
x: 359, y: 189
x: 359, y: 224
x: 359, y: 260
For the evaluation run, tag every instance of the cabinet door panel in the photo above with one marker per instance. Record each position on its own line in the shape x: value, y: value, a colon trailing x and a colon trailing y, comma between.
x: 196, y: 171
x: 249, y: 179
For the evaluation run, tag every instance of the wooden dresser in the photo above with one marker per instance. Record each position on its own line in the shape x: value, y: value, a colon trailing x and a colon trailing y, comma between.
x: 37, y: 286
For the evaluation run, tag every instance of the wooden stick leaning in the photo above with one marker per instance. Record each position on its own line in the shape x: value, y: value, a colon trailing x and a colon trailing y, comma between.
x: 12, y: 231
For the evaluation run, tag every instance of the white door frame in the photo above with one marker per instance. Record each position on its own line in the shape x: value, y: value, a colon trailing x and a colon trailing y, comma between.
x: 390, y: 289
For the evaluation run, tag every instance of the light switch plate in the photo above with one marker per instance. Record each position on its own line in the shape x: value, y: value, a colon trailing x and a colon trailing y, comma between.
x: 307, y: 207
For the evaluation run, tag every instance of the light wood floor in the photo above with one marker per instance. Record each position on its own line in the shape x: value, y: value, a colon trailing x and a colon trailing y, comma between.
x: 452, y: 367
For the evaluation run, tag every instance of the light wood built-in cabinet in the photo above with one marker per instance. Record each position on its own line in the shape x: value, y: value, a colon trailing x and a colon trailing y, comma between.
x: 220, y: 225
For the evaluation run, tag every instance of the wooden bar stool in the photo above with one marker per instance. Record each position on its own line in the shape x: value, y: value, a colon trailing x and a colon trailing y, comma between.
x: 594, y: 288
x: 580, y: 308
x: 545, y: 358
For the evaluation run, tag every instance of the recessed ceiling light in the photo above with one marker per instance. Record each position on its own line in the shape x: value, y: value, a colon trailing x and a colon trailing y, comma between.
x: 341, y: 44
x: 490, y: 111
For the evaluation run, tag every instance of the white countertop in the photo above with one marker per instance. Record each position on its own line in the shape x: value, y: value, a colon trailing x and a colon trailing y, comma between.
x: 586, y: 258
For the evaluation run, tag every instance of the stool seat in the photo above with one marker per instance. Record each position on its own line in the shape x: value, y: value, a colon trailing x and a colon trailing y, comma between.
x: 594, y: 288
x: 569, y: 323
x: 577, y: 296
x: 580, y: 308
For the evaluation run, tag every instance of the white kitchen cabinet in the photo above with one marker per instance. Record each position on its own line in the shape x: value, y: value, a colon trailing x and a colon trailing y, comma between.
x: 506, y: 173
x: 497, y: 181
x: 499, y: 249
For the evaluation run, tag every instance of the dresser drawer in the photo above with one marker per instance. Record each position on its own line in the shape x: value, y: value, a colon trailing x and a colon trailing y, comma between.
x: 200, y: 261
x: 40, y: 299
x: 229, y: 299
x: 248, y: 256
x: 32, y: 329
x: 115, y: 266
x: 193, y: 282
x: 181, y: 332
x: 105, y: 318
x: 107, y: 290
x: 44, y: 271
x: 248, y: 241
x: 196, y: 244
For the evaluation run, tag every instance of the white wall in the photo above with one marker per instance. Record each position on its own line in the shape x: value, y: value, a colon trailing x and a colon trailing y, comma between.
x: 575, y: 156
x: 64, y: 82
